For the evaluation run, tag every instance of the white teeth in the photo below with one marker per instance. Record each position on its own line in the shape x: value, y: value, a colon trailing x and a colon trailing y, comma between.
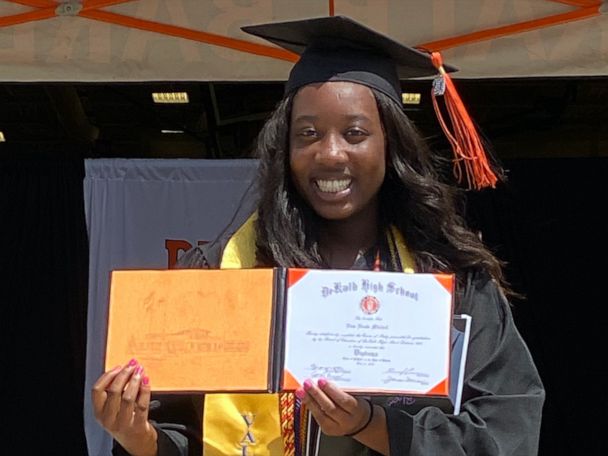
x: 333, y: 185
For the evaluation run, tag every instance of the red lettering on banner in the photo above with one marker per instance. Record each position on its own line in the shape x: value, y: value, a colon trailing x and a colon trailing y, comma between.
x: 174, y: 246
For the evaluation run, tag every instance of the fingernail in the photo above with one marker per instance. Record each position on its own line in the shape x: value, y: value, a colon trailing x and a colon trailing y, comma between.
x: 321, y: 382
x: 145, y: 380
x: 300, y: 393
x: 307, y: 385
x: 138, y: 370
x: 133, y: 362
x: 116, y: 368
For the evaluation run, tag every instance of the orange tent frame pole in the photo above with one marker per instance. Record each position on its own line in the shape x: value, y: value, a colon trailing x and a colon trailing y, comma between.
x: 36, y: 3
x: 578, y: 3
x: 45, y: 9
x: 95, y: 4
x: 30, y: 16
x: 579, y: 14
x: 86, y: 4
x: 195, y: 35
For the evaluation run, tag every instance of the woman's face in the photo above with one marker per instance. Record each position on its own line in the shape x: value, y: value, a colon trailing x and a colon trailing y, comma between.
x: 337, y: 149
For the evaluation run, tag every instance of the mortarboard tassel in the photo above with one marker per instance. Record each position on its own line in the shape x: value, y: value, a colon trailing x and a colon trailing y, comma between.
x: 470, y: 155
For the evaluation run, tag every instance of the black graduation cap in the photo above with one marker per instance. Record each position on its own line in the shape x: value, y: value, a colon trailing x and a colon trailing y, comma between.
x: 336, y: 48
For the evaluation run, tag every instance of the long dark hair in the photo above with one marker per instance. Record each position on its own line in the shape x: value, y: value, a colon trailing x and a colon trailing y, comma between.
x: 413, y: 198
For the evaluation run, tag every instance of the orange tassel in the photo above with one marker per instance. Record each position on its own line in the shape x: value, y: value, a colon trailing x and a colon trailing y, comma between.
x: 470, y: 157
x: 377, y: 263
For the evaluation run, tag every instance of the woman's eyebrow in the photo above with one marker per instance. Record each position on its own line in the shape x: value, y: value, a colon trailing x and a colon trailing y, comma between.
x: 312, y: 118
x: 305, y: 118
x: 356, y: 117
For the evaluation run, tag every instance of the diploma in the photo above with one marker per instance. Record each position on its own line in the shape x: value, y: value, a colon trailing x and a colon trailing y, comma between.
x: 374, y: 332
x: 268, y: 330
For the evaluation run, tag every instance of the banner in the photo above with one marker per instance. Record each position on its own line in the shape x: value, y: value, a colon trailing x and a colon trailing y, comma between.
x: 144, y: 214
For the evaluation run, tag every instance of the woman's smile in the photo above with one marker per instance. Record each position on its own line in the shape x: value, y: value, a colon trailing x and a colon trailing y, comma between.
x: 333, y: 185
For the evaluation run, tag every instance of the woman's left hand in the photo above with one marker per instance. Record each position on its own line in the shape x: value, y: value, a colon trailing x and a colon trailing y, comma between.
x: 337, y: 412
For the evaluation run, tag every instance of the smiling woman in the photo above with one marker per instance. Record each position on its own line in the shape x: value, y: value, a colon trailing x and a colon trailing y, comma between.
x: 347, y: 182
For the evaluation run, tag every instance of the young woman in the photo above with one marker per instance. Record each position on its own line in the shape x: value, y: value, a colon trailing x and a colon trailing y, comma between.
x: 347, y: 183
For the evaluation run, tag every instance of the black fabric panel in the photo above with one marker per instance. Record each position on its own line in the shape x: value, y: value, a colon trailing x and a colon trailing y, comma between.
x: 549, y: 222
x: 43, y: 270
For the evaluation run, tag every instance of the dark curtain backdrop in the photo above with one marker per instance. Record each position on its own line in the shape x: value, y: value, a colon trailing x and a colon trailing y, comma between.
x: 548, y: 223
x: 43, y: 269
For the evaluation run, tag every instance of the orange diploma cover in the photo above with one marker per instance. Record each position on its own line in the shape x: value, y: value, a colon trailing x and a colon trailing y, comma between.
x: 267, y: 330
x: 194, y: 330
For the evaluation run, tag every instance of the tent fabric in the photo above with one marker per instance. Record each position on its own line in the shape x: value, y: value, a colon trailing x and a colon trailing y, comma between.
x: 135, y: 210
x: 187, y: 40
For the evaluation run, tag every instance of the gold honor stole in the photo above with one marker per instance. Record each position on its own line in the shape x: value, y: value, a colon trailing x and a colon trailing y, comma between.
x: 257, y: 424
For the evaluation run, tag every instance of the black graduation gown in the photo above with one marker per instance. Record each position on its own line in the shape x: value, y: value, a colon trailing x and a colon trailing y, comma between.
x: 502, y: 394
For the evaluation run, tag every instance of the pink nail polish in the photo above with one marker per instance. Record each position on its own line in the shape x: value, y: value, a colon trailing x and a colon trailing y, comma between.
x: 307, y: 385
x: 133, y: 362
x: 145, y: 380
x: 322, y: 382
x: 300, y: 393
x: 139, y: 370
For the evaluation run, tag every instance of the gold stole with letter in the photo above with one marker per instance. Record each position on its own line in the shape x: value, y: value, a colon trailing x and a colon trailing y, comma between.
x: 257, y: 424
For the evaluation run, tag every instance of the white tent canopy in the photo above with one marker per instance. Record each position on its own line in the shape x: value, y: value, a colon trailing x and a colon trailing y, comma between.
x: 200, y: 40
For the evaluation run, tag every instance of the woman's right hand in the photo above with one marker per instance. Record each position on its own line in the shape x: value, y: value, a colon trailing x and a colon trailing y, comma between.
x: 121, y: 400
